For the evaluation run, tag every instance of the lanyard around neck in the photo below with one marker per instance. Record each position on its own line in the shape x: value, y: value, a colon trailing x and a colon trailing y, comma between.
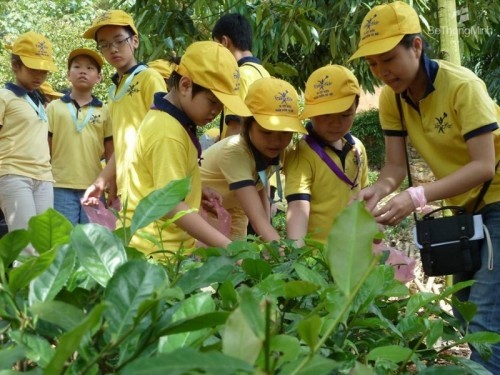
x: 324, y: 156
x: 40, y: 110
x: 79, y: 125
x: 116, y: 96
x: 265, y: 182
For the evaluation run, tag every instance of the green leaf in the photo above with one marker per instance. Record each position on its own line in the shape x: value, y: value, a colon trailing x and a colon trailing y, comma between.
x: 435, y: 332
x: 299, y: 288
x: 349, y: 246
x: 10, y: 355
x: 308, y: 330
x: 99, y: 251
x: 12, y: 244
x: 159, y: 203
x: 133, y: 283
x: 39, y: 350
x: 239, y: 340
x: 317, y: 365
x: 21, y: 276
x: 250, y: 308
x: 417, y: 301
x: 466, y: 309
x: 58, y: 313
x: 52, y: 280
x: 286, y: 347
x: 212, y: 319
x: 196, y: 305
x: 48, y: 230
x: 228, y: 295
x: 361, y: 369
x: 256, y: 268
x: 187, y: 360
x: 392, y: 353
x: 214, y: 270
x: 482, y: 337
x: 310, y: 275
x: 70, y: 341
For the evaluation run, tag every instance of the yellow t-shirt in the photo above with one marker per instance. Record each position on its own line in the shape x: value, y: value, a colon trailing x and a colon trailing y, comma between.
x: 164, y: 152
x: 76, y: 154
x: 229, y: 165
x: 250, y: 71
x: 131, y: 102
x: 309, y: 178
x: 24, y: 149
x: 456, y: 108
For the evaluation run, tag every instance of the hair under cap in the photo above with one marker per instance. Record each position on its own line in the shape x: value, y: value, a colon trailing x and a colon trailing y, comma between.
x: 330, y: 89
x: 113, y: 17
x: 211, y: 66
x: 35, y: 51
x: 384, y: 27
x: 274, y: 105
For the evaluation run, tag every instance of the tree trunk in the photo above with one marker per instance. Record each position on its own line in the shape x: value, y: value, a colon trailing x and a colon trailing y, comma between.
x: 448, y: 31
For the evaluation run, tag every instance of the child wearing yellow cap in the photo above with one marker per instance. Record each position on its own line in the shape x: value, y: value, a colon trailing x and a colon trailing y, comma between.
x: 239, y: 167
x: 328, y: 166
x: 80, y: 133
x: 167, y: 148
x: 25, y: 171
x: 453, y: 123
x: 49, y: 93
x: 130, y: 96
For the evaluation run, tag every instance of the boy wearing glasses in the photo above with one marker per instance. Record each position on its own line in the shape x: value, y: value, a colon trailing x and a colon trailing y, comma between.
x: 130, y: 96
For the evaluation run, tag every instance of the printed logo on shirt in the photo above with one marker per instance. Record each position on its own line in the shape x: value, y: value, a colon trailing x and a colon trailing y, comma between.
x: 441, y: 124
x: 95, y: 119
x: 236, y: 77
x: 132, y: 89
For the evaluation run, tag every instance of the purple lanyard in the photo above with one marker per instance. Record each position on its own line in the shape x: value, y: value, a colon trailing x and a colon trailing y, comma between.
x: 323, y: 155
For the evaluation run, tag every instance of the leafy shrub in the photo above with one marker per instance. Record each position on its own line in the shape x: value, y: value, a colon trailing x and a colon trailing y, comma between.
x: 91, y: 305
x: 367, y: 128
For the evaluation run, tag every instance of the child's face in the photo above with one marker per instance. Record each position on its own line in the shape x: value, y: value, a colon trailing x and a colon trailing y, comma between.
x: 83, y: 73
x: 398, y: 67
x: 269, y: 143
x: 333, y: 126
x: 117, y: 46
x: 29, y: 79
x: 203, y: 107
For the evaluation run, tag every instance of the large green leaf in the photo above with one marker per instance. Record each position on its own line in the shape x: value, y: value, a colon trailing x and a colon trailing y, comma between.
x: 251, y: 310
x: 185, y: 361
x: 309, y: 330
x: 196, y: 323
x: 317, y: 365
x: 49, y: 229
x: 310, y: 275
x: 21, y: 276
x: 132, y: 284
x: 70, y: 341
x: 349, y: 246
x: 10, y: 355
x: 11, y: 245
x: 58, y: 313
x: 158, y: 203
x: 198, y: 304
x: 299, y: 288
x: 215, y: 269
x: 99, y: 251
x: 51, y: 281
x: 393, y: 353
x: 38, y: 349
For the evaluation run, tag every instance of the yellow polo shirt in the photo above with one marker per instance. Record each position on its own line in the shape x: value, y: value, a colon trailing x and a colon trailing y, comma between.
x: 455, y: 108
x: 229, y: 165
x: 309, y: 178
x: 128, y: 104
x: 24, y: 149
x: 165, y: 151
x: 77, y: 147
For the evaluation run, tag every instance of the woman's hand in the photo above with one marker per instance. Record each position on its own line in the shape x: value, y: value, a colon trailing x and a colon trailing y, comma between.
x: 395, y: 210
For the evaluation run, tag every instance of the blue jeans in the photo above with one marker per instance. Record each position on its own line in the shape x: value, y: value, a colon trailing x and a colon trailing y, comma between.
x: 485, y: 293
x: 67, y: 202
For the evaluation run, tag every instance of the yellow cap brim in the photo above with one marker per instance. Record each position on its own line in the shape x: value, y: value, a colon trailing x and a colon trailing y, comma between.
x: 280, y: 123
x: 327, y: 107
x: 234, y: 103
x: 38, y: 64
x: 377, y: 47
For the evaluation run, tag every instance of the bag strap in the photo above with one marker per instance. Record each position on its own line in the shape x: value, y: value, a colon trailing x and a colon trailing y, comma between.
x: 485, y: 186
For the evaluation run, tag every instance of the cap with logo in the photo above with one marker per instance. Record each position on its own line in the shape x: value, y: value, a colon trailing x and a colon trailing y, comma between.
x: 35, y: 51
x: 330, y: 89
x: 86, y: 52
x: 113, y: 17
x: 211, y: 65
x: 164, y: 67
x: 274, y: 105
x: 384, y: 27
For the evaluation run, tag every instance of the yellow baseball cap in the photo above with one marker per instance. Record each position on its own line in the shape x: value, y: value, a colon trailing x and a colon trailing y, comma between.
x: 274, y: 105
x: 330, y: 89
x: 113, y: 17
x: 211, y: 65
x: 35, y: 51
x: 384, y: 26
x: 164, y: 67
x: 47, y: 89
x: 87, y: 52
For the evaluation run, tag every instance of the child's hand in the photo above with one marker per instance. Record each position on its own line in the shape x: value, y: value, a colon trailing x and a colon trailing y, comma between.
x: 208, y: 197
x: 92, y: 194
